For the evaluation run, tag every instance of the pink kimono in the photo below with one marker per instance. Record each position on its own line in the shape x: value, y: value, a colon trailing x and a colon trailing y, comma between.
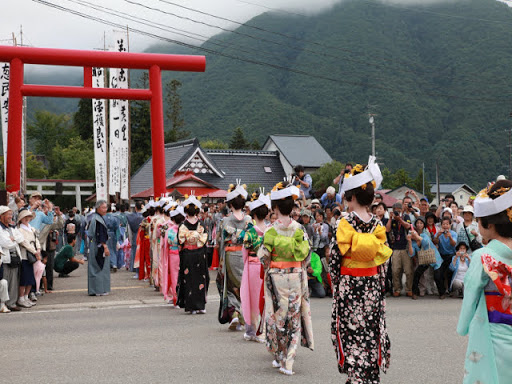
x: 251, y: 286
x: 169, y: 263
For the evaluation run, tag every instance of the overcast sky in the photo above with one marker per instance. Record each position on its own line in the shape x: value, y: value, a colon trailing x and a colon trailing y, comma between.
x: 48, y: 27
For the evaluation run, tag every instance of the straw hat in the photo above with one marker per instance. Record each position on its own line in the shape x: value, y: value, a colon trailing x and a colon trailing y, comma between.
x: 24, y: 213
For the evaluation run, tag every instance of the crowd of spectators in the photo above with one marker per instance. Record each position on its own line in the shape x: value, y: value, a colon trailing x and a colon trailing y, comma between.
x: 38, y: 239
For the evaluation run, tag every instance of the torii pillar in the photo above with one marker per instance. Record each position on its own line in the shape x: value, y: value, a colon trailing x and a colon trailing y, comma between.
x: 155, y: 63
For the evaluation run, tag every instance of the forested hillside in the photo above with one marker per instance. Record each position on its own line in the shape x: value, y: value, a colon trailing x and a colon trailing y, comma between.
x: 436, y: 76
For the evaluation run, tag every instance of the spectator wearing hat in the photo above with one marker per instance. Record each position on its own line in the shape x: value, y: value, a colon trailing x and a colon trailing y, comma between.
x: 419, y: 240
x: 10, y: 238
x: 459, y: 266
x: 30, y: 245
x: 468, y: 230
x: 43, y: 210
x: 423, y: 205
x: 330, y: 198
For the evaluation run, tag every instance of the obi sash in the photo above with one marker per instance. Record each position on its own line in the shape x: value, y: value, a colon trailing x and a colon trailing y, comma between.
x: 498, y: 308
x: 285, y: 264
x: 253, y: 259
x: 358, y: 272
x: 499, y: 304
x: 233, y: 248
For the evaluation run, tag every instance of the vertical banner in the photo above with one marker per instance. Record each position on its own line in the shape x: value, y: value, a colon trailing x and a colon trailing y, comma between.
x: 119, y: 174
x: 114, y: 184
x: 100, y: 136
x: 122, y: 82
x: 4, y: 106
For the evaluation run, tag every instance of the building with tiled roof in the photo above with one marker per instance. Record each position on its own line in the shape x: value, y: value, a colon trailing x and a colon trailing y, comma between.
x: 218, y: 168
x: 295, y: 150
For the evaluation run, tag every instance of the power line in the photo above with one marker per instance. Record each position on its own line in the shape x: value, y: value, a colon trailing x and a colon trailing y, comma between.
x: 172, y: 29
x: 156, y: 25
x: 301, y: 49
x: 262, y: 63
x: 364, y: 62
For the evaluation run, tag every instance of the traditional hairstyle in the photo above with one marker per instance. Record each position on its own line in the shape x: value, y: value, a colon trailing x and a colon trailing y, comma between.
x: 502, y: 221
x: 365, y: 193
x: 260, y: 212
x: 284, y: 205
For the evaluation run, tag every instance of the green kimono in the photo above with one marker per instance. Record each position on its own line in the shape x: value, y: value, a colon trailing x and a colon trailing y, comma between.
x: 489, y: 353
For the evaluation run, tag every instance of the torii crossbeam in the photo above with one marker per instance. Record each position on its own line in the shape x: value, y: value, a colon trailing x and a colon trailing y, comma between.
x: 155, y: 63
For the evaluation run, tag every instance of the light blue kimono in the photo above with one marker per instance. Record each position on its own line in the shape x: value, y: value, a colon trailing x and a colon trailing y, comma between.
x: 489, y: 353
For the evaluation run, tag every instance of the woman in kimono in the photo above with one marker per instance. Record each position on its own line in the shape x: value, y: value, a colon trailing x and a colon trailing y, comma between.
x: 171, y: 256
x: 142, y: 254
x: 157, y: 220
x: 486, y: 314
x: 98, y: 266
x: 358, y: 274
x: 231, y: 269
x: 193, y: 276
x: 283, y: 254
x: 251, y: 286
x: 163, y: 261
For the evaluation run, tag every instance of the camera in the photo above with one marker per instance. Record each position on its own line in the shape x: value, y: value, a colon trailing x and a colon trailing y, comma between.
x: 396, y: 213
x: 409, y: 205
x: 346, y: 171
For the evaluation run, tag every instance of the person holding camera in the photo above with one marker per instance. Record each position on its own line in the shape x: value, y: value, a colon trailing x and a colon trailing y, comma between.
x: 399, y: 224
x: 303, y: 180
x: 459, y: 266
x: 338, y: 180
x: 445, y: 239
x: 409, y: 208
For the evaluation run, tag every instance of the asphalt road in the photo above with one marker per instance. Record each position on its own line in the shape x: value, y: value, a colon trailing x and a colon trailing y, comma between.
x: 132, y: 337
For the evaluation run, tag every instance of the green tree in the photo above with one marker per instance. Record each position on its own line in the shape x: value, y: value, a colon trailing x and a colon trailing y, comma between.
x: 323, y: 176
x: 238, y: 140
x: 214, y: 144
x: 48, y: 130
x: 140, y: 117
x: 82, y: 119
x: 174, y: 110
x: 76, y: 161
x: 35, y: 168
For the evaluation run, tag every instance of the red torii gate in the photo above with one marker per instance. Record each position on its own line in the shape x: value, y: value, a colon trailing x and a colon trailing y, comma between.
x: 155, y: 63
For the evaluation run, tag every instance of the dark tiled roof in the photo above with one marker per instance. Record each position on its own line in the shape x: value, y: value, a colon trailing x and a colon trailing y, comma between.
x: 246, y: 165
x: 301, y: 149
x: 175, y: 154
x: 234, y: 164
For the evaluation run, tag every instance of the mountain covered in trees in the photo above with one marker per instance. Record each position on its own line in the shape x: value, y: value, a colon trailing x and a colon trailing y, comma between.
x: 435, y: 76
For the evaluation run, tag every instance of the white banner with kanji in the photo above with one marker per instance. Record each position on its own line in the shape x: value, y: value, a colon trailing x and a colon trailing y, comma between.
x: 4, y: 106
x: 100, y: 136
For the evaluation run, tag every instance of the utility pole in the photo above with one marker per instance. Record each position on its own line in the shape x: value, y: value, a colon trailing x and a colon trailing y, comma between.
x: 509, y: 145
x: 372, y: 123
x: 371, y: 117
x: 423, y: 173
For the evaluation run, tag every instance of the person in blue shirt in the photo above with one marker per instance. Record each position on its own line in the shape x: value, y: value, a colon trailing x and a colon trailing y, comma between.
x: 330, y: 198
x: 419, y: 239
x: 446, y: 239
x: 303, y: 180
